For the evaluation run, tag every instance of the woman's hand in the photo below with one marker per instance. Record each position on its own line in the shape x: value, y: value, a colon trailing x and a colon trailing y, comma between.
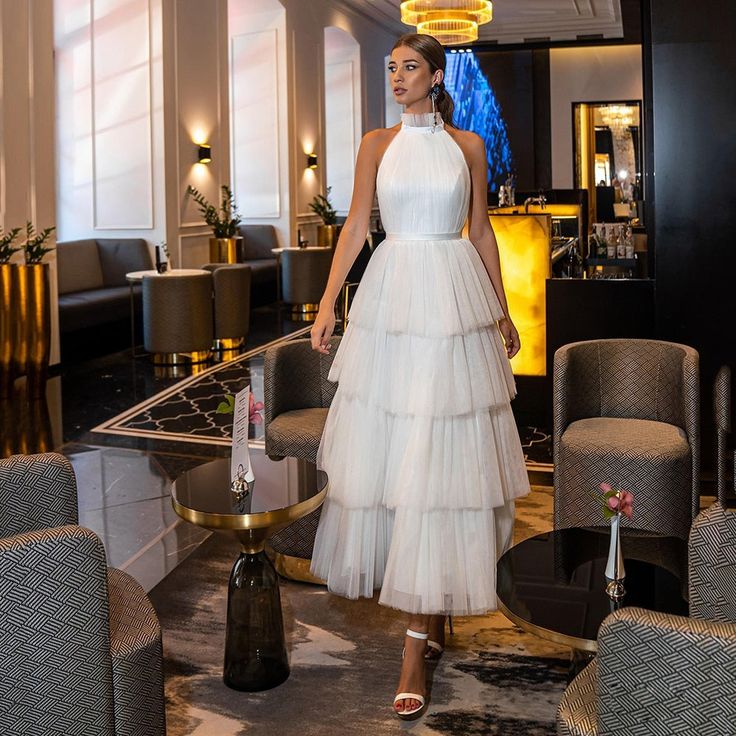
x: 510, y: 336
x: 322, y: 329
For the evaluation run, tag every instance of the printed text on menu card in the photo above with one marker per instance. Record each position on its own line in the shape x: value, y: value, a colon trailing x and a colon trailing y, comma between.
x: 240, y: 462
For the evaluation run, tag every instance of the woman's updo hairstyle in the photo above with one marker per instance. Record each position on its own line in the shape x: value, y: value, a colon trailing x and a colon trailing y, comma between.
x: 433, y: 53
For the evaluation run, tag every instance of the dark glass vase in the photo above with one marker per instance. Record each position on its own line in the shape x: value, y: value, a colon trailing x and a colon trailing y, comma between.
x: 255, y: 649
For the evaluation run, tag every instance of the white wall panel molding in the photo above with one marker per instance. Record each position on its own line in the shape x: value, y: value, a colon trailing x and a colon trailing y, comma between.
x: 199, y: 77
x: 122, y: 129
x: 255, y: 123
x: 193, y: 249
x: 109, y: 133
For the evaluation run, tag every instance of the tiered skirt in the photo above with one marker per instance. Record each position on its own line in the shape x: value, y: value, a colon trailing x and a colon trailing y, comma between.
x: 420, y: 445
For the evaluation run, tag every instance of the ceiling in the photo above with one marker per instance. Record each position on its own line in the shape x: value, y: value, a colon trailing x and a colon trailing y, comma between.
x: 520, y: 21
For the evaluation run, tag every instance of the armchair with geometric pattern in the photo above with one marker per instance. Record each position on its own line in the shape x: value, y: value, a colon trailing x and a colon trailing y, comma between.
x: 296, y: 395
x: 81, y: 643
x: 723, y: 414
x: 662, y: 674
x: 627, y: 412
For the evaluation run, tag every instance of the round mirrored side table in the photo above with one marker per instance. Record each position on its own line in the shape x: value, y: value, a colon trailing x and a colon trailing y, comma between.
x: 255, y: 648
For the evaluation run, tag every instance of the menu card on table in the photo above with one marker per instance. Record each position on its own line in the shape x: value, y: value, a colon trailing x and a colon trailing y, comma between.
x: 240, y: 468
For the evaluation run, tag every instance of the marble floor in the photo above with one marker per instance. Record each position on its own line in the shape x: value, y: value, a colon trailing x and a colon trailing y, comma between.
x: 124, y: 484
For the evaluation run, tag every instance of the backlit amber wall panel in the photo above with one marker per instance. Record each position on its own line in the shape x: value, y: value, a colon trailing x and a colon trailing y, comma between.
x: 524, y: 250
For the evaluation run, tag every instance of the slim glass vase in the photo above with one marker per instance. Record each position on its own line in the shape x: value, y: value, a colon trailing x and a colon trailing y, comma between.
x: 255, y: 648
x: 615, y: 572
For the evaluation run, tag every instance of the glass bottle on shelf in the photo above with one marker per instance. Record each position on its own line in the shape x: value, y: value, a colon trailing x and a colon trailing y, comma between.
x: 629, y: 242
x: 593, y: 241
x: 602, y: 242
x: 620, y: 242
x: 611, y: 241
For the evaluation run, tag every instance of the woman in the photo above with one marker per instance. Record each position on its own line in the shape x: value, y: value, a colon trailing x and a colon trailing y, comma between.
x: 420, y: 446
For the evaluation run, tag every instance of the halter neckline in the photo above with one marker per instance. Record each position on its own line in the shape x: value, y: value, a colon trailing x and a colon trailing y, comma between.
x: 421, y: 121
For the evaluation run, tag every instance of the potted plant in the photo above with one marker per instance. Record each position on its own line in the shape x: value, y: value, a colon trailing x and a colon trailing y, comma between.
x: 33, y: 337
x: 226, y: 246
x: 7, y: 310
x: 327, y: 232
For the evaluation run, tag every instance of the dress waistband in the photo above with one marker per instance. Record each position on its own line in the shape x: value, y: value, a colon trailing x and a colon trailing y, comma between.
x: 424, y: 236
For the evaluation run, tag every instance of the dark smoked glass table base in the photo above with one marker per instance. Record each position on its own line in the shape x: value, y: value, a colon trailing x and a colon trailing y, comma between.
x: 553, y: 584
x: 255, y: 648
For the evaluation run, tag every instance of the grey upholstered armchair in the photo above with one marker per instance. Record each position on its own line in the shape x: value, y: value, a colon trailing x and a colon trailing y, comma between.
x: 661, y: 674
x: 297, y: 396
x: 304, y: 275
x: 722, y: 411
x: 626, y: 412
x: 177, y: 316
x: 81, y: 643
x: 231, y: 302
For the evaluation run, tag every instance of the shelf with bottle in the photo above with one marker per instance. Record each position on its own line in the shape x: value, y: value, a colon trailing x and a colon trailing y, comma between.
x: 611, y: 241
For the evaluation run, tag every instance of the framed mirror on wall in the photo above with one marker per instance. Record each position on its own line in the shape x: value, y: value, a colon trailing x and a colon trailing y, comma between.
x: 608, y: 159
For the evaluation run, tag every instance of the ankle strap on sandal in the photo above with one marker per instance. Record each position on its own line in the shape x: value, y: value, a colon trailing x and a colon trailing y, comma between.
x: 416, y: 634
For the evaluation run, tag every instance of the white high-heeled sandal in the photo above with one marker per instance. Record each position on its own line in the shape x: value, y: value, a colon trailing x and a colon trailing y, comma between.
x: 437, y: 648
x: 405, y: 714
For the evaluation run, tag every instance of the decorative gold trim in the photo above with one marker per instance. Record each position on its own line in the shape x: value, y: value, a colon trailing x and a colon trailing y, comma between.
x: 574, y: 642
x: 269, y: 520
x: 226, y: 250
x: 304, y: 312
x: 197, y: 356
x: 228, y: 344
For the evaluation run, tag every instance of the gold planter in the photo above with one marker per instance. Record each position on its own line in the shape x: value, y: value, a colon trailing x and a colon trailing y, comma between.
x: 226, y: 250
x: 33, y: 325
x: 327, y: 235
x: 8, y: 315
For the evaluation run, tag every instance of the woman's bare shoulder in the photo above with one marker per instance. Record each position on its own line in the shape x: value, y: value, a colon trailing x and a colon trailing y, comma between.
x: 375, y: 142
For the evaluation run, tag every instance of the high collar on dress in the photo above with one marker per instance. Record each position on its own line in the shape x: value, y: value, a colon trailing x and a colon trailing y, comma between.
x: 421, y: 121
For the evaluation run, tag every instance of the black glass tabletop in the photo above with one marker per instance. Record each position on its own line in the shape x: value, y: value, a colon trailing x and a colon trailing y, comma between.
x: 278, y: 487
x: 553, y: 584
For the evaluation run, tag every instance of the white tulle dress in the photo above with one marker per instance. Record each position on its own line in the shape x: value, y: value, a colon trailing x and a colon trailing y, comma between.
x: 420, y: 445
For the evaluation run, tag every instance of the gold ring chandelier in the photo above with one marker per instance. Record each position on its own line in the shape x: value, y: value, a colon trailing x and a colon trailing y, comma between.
x: 449, y: 21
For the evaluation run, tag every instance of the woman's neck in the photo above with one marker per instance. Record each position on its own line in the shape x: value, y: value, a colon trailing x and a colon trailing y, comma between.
x: 419, y: 108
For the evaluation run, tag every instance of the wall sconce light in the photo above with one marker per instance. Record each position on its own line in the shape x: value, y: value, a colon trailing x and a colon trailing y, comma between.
x: 311, y: 160
x: 204, y: 153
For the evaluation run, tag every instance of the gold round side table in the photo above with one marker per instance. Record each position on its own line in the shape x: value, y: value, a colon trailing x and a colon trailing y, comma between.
x: 255, y: 648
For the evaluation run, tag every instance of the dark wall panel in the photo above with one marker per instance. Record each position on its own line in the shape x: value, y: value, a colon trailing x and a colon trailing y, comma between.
x: 693, y: 65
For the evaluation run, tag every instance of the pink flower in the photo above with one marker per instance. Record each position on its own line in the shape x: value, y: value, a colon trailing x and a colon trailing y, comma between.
x: 627, y: 503
x: 615, y: 501
x: 623, y: 502
x: 254, y: 407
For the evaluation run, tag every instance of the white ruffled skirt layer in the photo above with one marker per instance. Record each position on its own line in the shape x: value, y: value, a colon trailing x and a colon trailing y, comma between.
x: 420, y: 446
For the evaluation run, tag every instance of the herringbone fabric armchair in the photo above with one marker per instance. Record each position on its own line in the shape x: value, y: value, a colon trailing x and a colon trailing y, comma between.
x: 297, y: 396
x: 660, y: 674
x: 627, y: 412
x: 722, y: 411
x: 38, y: 531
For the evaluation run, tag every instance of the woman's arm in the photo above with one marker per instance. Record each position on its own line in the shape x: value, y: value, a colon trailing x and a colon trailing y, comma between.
x: 351, y: 240
x: 481, y: 233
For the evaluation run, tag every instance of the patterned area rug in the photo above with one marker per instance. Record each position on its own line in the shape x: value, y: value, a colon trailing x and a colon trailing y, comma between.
x: 187, y: 411
x: 493, y: 679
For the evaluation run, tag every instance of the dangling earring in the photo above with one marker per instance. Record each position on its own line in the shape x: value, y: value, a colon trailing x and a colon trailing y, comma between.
x: 433, y: 95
